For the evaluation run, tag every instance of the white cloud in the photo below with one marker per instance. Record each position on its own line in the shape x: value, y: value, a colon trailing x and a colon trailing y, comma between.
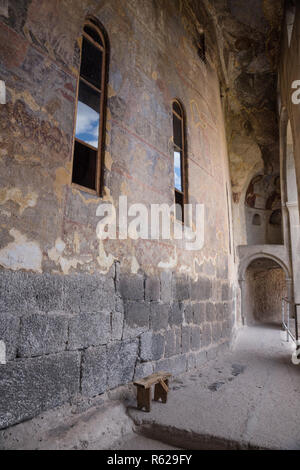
x: 177, y: 170
x: 87, y: 124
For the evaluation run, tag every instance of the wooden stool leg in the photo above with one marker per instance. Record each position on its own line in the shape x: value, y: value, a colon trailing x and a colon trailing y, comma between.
x: 160, y: 392
x: 144, y: 398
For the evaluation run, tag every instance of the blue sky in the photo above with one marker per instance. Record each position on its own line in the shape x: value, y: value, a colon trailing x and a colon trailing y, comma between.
x: 87, y: 124
x: 177, y: 170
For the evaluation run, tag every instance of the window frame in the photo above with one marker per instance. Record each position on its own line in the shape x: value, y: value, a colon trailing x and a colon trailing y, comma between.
x: 91, y: 23
x: 182, y: 151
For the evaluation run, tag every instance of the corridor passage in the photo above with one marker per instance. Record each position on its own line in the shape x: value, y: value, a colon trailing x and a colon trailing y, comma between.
x: 247, y: 398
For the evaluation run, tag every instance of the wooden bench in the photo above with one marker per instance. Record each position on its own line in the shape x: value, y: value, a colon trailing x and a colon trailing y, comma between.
x: 161, y: 381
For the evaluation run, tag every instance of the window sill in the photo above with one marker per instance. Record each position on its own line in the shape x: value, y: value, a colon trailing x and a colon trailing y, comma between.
x: 85, y: 190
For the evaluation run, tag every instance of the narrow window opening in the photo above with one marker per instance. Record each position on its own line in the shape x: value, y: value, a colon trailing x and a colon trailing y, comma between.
x: 179, y: 159
x: 88, y: 143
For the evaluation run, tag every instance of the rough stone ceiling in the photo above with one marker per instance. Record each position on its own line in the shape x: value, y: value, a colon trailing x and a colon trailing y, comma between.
x: 247, y: 34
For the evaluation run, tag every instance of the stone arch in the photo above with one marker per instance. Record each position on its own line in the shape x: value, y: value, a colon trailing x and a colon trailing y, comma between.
x: 246, y: 316
x: 245, y: 263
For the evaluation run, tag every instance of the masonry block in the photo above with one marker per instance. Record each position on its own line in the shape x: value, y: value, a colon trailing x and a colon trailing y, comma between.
x: 93, y: 375
x: 217, y: 290
x: 152, y: 289
x: 176, y: 314
x: 224, y: 311
x: 222, y: 268
x: 206, y: 335
x: 177, y: 340
x: 199, y: 310
x: 42, y: 334
x: 152, y: 346
x: 181, y: 288
x: 27, y: 292
x: 89, y: 329
x: 9, y: 332
x: 195, y: 338
x: 201, y: 289
x: 121, y: 359
x: 188, y: 313
x: 225, y: 292
x: 220, y: 313
x: 163, y: 365
x: 216, y: 332
x: 159, y: 316
x: 132, y: 287
x: 29, y: 387
x: 166, y: 286
x: 117, y: 321
x: 186, y: 339
x: 178, y: 364
x: 89, y: 294
x: 210, y: 312
x: 226, y: 330
x: 227, y: 309
x: 137, y: 317
x: 191, y: 361
x: 47, y: 290
x: 170, y: 346
x: 142, y: 370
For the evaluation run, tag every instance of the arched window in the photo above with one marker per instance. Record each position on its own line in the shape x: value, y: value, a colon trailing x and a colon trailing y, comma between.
x: 88, y: 145
x: 179, y: 159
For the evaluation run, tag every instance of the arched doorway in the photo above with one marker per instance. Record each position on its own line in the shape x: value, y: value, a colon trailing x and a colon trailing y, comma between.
x: 265, y: 286
x: 264, y: 280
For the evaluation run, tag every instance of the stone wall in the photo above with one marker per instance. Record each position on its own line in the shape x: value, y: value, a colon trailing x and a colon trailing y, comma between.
x: 83, y: 335
x: 289, y: 111
x: 288, y: 73
x: 80, y: 316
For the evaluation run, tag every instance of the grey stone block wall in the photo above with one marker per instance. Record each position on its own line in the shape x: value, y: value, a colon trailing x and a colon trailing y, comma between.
x: 28, y: 387
x: 94, y: 371
x: 42, y: 334
x: 86, y: 334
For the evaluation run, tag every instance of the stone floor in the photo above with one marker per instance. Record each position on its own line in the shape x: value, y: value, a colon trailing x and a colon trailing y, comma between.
x: 249, y: 398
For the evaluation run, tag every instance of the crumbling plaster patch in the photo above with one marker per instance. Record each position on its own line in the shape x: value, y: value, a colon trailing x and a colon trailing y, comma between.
x: 134, y: 265
x: 15, y: 195
x: 171, y: 264
x: 56, y: 254
x: 105, y: 261
x: 21, y: 254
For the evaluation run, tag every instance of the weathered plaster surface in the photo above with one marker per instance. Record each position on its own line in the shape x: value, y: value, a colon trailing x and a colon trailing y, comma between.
x: 81, y: 316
